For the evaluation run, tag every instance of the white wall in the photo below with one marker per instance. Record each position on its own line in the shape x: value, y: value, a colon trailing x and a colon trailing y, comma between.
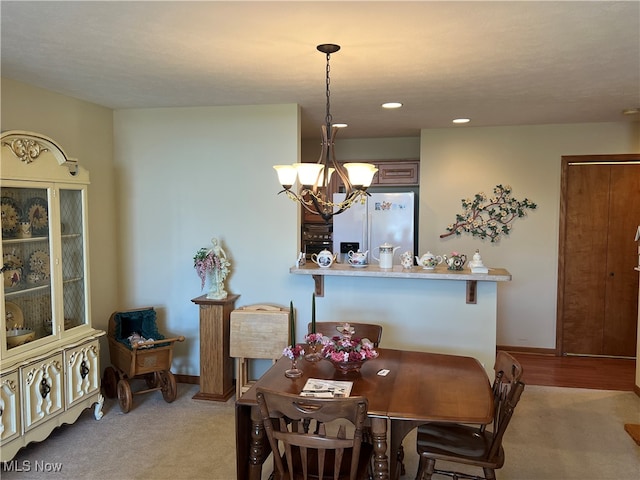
x: 456, y: 163
x: 187, y: 174
x: 350, y: 149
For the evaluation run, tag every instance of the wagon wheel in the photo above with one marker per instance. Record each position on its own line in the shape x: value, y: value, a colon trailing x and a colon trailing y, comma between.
x: 110, y: 382
x: 124, y: 396
x: 169, y: 389
x: 151, y: 379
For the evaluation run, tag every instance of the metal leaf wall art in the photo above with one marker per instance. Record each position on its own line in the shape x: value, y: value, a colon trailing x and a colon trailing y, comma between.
x: 490, y: 218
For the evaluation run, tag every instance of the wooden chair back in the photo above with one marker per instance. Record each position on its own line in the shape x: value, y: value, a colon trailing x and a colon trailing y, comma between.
x: 362, y: 330
x: 507, y: 389
x: 309, y: 452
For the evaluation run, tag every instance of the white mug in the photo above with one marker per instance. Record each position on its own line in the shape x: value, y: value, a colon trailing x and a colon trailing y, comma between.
x: 24, y: 230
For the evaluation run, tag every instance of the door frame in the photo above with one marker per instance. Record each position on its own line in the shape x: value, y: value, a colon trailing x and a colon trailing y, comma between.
x: 566, y: 161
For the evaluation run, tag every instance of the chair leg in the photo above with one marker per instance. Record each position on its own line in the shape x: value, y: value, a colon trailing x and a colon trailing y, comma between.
x: 431, y: 466
x: 400, y: 461
x: 422, y: 465
x: 489, y: 473
x: 426, y: 468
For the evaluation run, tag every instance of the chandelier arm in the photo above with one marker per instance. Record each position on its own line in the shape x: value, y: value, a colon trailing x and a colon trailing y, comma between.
x: 340, y: 170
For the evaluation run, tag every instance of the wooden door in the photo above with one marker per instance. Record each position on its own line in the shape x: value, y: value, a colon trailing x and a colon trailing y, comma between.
x: 597, y: 289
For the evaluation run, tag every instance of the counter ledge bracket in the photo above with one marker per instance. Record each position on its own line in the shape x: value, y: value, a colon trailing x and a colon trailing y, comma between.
x: 318, y: 281
x: 472, y: 287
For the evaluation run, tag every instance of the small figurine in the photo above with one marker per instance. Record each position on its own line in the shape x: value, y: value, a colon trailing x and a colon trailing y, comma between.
x: 476, y: 264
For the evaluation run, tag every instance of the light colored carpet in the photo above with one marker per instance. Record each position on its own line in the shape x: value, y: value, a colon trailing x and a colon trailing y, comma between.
x: 556, y: 433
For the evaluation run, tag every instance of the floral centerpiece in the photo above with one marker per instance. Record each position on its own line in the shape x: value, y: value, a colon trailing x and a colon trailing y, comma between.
x: 346, y: 352
x: 212, y: 263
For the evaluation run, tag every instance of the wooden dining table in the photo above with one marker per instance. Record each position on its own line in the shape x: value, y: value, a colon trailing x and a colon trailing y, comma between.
x: 420, y: 387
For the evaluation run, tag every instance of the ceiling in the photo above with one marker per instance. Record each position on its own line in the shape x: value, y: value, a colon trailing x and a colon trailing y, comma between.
x: 498, y: 63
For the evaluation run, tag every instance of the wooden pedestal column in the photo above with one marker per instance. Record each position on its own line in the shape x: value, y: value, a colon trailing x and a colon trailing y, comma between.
x: 216, y: 366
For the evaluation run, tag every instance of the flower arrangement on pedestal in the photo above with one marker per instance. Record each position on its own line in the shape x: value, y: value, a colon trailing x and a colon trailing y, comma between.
x: 212, y: 263
x: 348, y: 353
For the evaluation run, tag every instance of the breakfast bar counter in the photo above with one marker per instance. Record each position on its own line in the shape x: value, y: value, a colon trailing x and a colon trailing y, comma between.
x: 416, y: 272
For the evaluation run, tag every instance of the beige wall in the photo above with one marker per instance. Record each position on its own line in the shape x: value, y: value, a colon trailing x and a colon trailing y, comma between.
x: 85, y: 131
x: 175, y: 177
x: 457, y: 163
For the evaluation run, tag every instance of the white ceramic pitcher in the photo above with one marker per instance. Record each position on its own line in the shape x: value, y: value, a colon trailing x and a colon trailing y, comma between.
x: 386, y: 255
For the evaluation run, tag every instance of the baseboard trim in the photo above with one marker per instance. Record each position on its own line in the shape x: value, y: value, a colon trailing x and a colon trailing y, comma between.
x: 192, y: 379
x: 538, y: 351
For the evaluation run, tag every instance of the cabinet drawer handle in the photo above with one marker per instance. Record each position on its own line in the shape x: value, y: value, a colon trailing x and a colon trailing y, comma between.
x: 84, y: 370
x: 45, y: 388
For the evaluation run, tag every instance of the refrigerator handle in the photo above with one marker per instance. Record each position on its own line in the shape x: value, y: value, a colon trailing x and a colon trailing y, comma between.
x: 369, y: 233
x: 363, y: 243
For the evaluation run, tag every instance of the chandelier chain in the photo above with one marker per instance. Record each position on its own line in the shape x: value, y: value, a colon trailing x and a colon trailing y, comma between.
x: 328, y: 118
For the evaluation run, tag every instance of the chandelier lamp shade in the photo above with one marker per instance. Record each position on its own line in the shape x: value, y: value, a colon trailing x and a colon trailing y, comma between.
x: 313, y: 191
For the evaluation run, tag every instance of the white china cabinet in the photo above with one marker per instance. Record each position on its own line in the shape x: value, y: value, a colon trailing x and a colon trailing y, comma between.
x: 49, y: 352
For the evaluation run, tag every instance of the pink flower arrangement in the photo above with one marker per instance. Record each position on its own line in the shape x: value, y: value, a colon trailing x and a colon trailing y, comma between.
x: 353, y: 349
x: 205, y: 261
x: 314, y: 338
x: 293, y: 352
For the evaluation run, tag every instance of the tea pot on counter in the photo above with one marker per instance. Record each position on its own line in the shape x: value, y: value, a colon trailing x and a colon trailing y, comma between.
x: 429, y: 261
x: 386, y: 255
x: 324, y: 259
x: 456, y: 261
x: 357, y: 258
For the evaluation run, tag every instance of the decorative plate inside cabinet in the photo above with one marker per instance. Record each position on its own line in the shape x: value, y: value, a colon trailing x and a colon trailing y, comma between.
x: 10, y: 216
x: 13, y: 316
x: 11, y: 260
x: 39, y: 266
x: 37, y: 215
x: 11, y: 270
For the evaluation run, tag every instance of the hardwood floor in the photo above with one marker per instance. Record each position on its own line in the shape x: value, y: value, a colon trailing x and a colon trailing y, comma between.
x: 577, y: 372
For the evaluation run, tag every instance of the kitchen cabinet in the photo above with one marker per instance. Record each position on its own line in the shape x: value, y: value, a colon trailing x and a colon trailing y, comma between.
x: 391, y: 173
x: 49, y: 350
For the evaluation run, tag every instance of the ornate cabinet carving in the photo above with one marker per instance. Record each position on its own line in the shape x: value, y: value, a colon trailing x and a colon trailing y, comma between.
x: 9, y: 406
x: 42, y: 387
x: 82, y: 371
x: 49, y: 350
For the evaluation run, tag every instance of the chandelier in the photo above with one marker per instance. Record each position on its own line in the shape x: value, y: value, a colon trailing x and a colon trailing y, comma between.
x: 313, y: 193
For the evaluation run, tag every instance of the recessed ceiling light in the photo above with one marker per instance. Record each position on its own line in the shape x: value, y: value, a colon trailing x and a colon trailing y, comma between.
x: 462, y: 120
x: 391, y: 105
x: 339, y: 125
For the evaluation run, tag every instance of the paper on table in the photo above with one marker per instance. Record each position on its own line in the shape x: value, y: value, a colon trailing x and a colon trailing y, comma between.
x: 319, y: 388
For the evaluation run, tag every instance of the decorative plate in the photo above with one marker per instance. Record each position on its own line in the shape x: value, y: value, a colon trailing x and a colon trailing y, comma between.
x: 39, y: 264
x: 13, y: 316
x: 11, y: 261
x: 10, y: 215
x: 38, y: 216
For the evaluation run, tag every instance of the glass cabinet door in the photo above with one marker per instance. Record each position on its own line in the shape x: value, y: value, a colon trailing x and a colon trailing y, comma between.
x: 26, y: 264
x: 73, y: 258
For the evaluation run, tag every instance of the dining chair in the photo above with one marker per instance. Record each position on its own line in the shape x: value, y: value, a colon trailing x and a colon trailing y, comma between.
x: 361, y: 330
x: 315, y: 438
x: 471, y: 444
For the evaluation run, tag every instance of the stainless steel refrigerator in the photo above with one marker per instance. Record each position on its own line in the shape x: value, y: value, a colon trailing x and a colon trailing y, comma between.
x: 385, y: 217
